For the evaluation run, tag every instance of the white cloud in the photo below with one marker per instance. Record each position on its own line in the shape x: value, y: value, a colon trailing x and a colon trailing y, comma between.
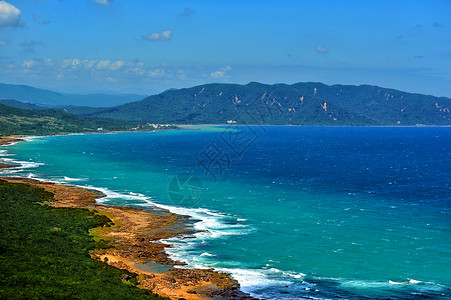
x: 9, y: 15
x: 159, y: 36
x: 76, y: 64
x: 220, y: 73
x: 107, y: 64
x: 217, y: 74
x: 103, y: 2
x: 28, y: 64
x: 103, y: 64
x: 117, y: 65
x: 156, y: 73
x: 95, y: 72
x: 321, y: 49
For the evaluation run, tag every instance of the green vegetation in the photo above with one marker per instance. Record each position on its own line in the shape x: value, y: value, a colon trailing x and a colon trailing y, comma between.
x: 41, y: 122
x: 22, y: 105
x: 44, y: 251
x: 254, y: 103
x: 297, y: 104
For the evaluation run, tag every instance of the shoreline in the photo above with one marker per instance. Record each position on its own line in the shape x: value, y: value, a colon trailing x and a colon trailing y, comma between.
x: 134, y: 243
x: 187, y: 126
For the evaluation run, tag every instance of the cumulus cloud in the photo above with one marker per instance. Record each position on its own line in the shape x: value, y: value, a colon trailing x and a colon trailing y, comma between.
x: 103, y: 64
x: 9, y: 16
x: 156, y: 73
x: 28, y: 64
x: 31, y: 44
x: 220, y: 73
x: 4, y: 42
x: 94, y: 71
x: 186, y: 12
x: 103, y: 2
x: 217, y: 74
x: 159, y: 36
x: 107, y: 64
x: 321, y: 49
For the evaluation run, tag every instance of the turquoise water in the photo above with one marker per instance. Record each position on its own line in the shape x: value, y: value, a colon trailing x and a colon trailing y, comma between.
x: 291, y: 212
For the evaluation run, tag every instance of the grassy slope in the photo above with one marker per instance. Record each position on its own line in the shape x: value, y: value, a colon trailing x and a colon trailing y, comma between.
x: 44, y: 251
x: 38, y: 122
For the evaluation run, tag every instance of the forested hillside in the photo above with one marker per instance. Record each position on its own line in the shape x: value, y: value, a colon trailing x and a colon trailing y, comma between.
x: 40, y: 122
x: 297, y: 104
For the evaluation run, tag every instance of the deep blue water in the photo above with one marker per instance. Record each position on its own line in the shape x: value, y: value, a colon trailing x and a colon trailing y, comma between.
x: 291, y: 212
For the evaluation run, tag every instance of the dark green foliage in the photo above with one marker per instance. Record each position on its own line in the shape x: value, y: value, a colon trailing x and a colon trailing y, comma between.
x: 40, y: 122
x: 80, y: 110
x: 44, y: 251
x: 297, y: 104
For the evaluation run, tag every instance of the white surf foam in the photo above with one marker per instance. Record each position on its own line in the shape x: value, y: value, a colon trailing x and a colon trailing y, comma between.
x: 112, y: 195
x: 17, y: 165
x: 209, y: 225
x: 74, y: 179
x: 390, y: 284
x: 413, y: 281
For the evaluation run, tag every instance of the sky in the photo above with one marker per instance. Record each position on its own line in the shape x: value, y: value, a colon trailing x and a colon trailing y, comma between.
x: 146, y: 46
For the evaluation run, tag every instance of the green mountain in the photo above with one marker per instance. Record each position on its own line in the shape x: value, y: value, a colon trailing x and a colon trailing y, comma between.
x: 48, y: 98
x: 15, y: 121
x: 297, y: 104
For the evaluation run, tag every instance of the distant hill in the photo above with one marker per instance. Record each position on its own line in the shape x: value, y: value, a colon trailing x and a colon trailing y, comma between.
x: 23, y: 105
x: 297, y: 104
x: 80, y: 110
x: 40, y: 122
x: 48, y: 98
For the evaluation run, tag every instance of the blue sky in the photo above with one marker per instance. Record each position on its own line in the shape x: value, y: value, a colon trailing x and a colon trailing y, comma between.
x: 148, y: 46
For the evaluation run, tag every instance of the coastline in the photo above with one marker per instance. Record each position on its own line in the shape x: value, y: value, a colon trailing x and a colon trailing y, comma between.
x: 133, y: 242
x: 146, y: 200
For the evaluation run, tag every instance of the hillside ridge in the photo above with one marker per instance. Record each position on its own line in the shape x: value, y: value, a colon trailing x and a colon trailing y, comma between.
x: 310, y: 103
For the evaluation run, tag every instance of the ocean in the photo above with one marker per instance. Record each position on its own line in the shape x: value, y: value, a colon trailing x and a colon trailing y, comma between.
x: 290, y: 212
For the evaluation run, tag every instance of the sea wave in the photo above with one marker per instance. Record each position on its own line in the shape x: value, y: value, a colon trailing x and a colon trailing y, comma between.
x: 74, y: 179
x: 18, y: 166
x: 207, y: 225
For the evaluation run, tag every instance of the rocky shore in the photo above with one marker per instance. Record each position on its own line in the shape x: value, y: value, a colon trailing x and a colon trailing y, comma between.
x: 133, y: 242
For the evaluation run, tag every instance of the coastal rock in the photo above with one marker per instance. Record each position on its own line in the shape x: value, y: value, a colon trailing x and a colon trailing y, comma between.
x: 133, y: 237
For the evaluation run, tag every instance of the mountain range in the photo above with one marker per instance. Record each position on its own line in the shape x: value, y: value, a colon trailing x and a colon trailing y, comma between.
x: 279, y: 104
x: 46, y: 98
